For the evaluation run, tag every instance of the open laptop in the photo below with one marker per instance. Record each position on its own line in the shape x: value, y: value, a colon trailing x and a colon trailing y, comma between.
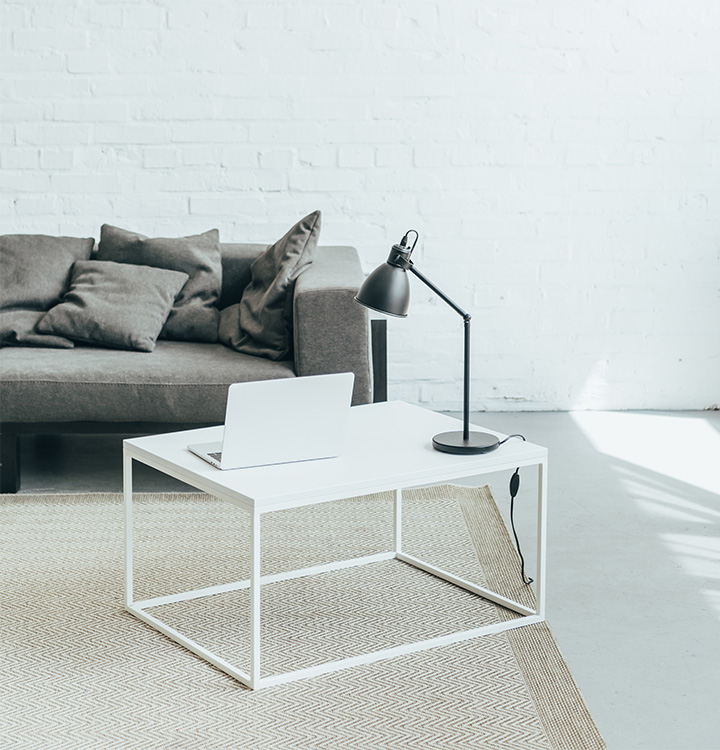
x: 281, y: 421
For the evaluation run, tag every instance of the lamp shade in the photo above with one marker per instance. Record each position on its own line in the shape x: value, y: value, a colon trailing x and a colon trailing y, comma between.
x: 386, y: 290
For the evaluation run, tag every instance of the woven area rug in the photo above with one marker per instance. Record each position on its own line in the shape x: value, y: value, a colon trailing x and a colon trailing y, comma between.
x: 77, y: 671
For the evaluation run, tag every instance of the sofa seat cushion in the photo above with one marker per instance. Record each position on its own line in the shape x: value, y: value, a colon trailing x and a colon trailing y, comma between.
x: 178, y: 382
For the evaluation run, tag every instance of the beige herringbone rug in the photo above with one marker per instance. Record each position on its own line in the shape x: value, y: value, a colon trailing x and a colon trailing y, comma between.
x: 77, y: 671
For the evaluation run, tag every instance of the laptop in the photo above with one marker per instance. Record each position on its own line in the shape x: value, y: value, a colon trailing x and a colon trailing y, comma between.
x: 282, y: 421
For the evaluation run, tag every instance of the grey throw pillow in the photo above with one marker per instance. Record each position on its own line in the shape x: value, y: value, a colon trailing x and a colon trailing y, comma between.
x: 118, y: 305
x: 34, y: 274
x: 17, y: 328
x: 194, y: 316
x: 261, y: 323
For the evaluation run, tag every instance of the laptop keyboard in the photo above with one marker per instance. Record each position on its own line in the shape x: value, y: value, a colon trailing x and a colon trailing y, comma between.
x: 217, y: 456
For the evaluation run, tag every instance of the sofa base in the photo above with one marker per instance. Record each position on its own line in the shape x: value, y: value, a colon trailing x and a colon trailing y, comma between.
x: 9, y: 462
x: 10, y: 432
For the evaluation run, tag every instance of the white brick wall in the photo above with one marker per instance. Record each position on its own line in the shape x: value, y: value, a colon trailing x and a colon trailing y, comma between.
x: 559, y: 157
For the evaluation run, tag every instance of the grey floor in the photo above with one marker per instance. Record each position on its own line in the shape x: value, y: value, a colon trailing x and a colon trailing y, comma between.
x: 633, y: 556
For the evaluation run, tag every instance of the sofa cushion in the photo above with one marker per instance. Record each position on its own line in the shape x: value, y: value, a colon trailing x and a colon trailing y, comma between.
x: 194, y: 316
x: 114, y: 304
x: 180, y: 382
x: 261, y: 323
x: 237, y: 259
x: 34, y: 274
x: 17, y: 328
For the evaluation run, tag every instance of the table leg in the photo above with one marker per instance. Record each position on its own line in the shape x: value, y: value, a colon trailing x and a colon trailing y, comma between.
x: 128, y: 498
x: 541, y: 539
x: 397, y: 521
x: 255, y: 599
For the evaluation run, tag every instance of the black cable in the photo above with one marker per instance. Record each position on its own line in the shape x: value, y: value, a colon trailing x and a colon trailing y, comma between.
x: 518, y: 435
x: 514, y: 488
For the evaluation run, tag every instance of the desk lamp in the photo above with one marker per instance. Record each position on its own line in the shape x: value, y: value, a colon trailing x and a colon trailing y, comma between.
x: 387, y: 290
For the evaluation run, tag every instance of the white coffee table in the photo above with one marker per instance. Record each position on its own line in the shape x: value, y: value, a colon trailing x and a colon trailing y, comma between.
x: 389, y: 448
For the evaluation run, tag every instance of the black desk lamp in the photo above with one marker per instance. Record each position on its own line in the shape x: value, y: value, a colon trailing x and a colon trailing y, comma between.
x: 387, y: 290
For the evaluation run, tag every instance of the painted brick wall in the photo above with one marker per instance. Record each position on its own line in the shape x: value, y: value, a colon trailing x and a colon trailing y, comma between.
x: 558, y: 157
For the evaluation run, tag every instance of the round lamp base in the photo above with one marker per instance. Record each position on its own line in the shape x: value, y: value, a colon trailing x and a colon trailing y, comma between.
x: 453, y: 442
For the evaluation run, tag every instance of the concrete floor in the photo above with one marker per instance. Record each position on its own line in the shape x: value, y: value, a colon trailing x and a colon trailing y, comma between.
x: 633, y: 555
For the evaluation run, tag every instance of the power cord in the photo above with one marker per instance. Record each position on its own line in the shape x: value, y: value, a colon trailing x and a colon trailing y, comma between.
x: 514, y: 489
x: 516, y: 434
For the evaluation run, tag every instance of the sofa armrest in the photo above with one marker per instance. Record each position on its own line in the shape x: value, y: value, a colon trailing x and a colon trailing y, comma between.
x: 330, y: 328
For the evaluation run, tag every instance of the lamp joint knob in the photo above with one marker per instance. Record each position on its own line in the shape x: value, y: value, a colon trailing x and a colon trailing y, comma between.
x: 400, y: 257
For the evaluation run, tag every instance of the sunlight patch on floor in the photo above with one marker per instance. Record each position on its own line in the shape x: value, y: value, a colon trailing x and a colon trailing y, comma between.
x: 655, y: 496
x: 713, y: 597
x: 686, y: 449
x: 661, y: 459
x: 698, y: 555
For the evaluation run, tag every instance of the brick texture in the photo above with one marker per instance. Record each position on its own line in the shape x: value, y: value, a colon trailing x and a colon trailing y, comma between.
x: 559, y: 158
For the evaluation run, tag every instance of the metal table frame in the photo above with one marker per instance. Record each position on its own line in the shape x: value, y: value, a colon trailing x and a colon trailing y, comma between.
x: 256, y: 580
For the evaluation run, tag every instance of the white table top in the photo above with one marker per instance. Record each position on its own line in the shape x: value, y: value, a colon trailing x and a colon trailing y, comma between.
x: 389, y: 446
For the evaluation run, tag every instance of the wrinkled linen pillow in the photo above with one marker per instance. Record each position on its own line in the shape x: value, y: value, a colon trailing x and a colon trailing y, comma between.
x: 261, y: 323
x: 34, y: 274
x: 17, y: 328
x: 118, y: 305
x: 194, y: 316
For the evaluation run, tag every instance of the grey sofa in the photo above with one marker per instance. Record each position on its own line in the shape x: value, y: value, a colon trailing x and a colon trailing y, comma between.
x: 184, y: 384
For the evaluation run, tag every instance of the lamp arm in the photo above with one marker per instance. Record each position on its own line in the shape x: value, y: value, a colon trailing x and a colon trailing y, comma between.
x: 441, y: 294
x: 466, y: 346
